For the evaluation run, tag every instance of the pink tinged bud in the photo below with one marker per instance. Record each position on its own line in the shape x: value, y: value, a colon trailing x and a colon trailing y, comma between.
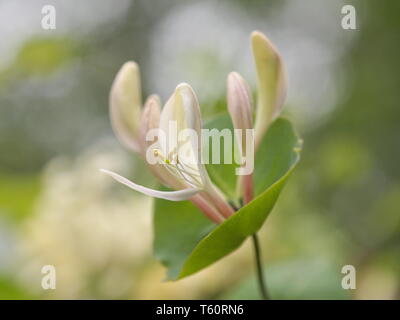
x: 240, y: 107
x: 149, y: 119
x: 125, y: 105
x: 271, y: 82
x: 241, y: 111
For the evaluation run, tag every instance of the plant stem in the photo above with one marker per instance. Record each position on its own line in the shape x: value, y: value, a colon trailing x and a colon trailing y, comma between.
x: 260, y: 272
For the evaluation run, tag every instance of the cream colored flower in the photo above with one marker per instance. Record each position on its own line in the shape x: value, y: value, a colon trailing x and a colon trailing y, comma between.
x: 177, y: 164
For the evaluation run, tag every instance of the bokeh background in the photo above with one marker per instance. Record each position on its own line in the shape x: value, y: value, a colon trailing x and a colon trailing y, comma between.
x: 340, y: 207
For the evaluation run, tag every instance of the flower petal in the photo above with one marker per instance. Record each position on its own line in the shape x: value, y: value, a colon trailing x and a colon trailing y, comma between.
x: 188, y: 106
x: 180, y: 195
x: 125, y: 105
x: 272, y: 83
x: 180, y: 122
x: 183, y: 109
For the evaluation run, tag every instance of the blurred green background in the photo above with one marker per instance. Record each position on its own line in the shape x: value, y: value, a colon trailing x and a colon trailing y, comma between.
x: 341, y: 206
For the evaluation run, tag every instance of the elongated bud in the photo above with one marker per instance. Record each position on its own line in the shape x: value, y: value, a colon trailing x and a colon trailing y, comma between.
x: 240, y: 106
x: 125, y: 105
x: 241, y: 111
x: 149, y: 119
x: 272, y: 83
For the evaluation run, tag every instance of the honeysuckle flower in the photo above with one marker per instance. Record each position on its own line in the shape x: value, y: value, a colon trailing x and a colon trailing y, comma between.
x: 149, y: 120
x: 271, y: 83
x: 175, y: 161
x: 182, y: 109
x: 186, y: 175
x: 241, y: 112
x: 170, y: 140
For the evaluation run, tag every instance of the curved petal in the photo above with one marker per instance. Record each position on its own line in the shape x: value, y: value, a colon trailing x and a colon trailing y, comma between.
x: 180, y: 195
x: 271, y: 82
x: 125, y: 105
x: 150, y: 119
x: 188, y: 105
x: 182, y: 109
x: 180, y: 119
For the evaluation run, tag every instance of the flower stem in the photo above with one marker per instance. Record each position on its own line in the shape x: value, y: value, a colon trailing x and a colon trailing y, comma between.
x: 260, y: 272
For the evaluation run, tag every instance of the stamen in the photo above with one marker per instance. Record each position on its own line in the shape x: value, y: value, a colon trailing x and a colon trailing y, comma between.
x: 178, y: 169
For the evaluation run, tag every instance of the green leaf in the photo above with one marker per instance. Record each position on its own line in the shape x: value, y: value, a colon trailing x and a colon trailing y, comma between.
x: 223, y: 175
x: 277, y: 153
x: 178, y: 227
x: 184, y: 241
